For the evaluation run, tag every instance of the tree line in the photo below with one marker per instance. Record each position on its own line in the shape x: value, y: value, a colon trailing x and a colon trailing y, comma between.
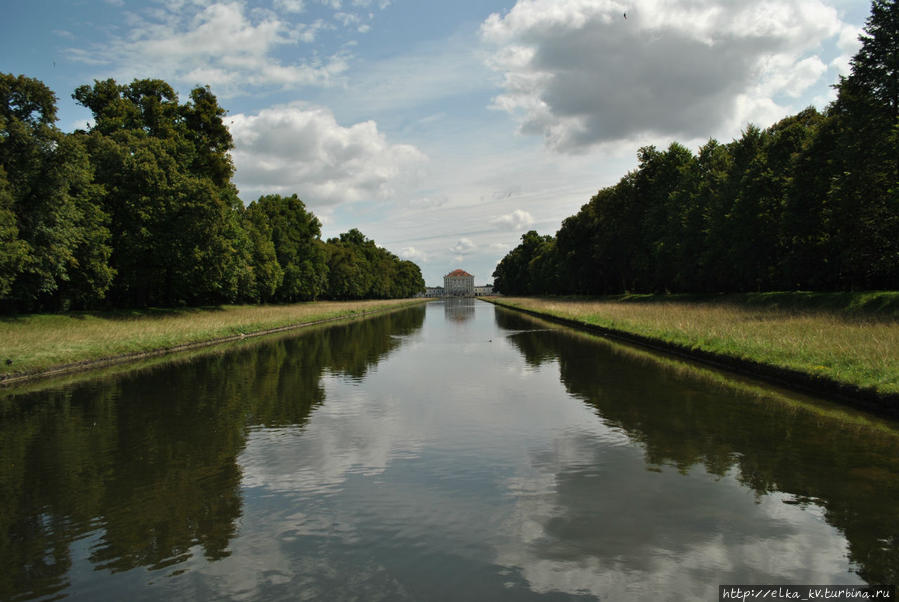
x: 811, y: 203
x: 140, y: 210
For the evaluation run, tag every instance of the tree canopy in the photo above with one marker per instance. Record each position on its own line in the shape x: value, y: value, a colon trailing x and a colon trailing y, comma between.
x: 53, y: 232
x: 811, y: 202
x: 141, y: 210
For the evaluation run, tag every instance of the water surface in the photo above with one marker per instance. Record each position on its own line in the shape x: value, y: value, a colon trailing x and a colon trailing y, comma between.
x: 448, y: 451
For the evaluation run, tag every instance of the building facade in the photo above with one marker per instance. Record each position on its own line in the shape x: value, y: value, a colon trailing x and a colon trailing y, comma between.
x: 458, y: 283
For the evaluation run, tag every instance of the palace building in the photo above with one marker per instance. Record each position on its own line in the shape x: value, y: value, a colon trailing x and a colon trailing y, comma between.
x: 458, y: 283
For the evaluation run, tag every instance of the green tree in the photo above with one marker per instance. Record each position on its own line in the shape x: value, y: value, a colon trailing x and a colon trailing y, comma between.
x: 210, y: 138
x: 61, y: 257
x: 295, y: 236
x: 166, y: 172
x: 811, y: 202
x: 349, y: 276
x: 806, y: 227
x: 735, y: 212
x: 715, y: 163
x: 13, y: 251
x: 793, y: 158
x: 408, y: 280
x: 665, y: 185
x: 350, y: 271
x: 599, y: 247
x: 514, y: 276
x: 265, y: 273
x: 876, y: 65
x: 544, y: 269
x: 360, y: 269
x: 864, y: 193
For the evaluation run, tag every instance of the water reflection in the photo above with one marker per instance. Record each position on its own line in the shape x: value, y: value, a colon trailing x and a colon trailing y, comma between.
x: 458, y: 309
x: 146, y: 465
x: 801, y: 464
x: 453, y: 451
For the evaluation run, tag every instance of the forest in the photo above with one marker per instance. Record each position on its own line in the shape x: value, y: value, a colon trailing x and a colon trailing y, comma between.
x: 141, y: 210
x: 810, y: 203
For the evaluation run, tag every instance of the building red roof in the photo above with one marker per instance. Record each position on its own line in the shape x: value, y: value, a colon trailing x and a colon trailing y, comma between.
x: 458, y: 273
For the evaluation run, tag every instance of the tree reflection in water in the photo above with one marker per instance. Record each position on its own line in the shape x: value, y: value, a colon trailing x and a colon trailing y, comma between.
x: 144, y: 465
x: 493, y: 455
x: 696, y: 417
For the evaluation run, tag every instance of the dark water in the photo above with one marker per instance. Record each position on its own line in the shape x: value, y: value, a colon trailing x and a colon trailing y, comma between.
x: 454, y: 451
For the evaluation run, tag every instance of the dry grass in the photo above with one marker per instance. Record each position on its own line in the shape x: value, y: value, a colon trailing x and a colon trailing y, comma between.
x: 859, y: 350
x: 42, y: 341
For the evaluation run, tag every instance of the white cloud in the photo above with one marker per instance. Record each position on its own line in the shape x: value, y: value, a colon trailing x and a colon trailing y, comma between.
x: 579, y: 74
x: 517, y: 220
x: 348, y: 19
x: 353, y: 21
x: 80, y: 124
x: 616, y: 557
x: 325, y: 216
x: 793, y: 78
x: 301, y: 149
x: 463, y: 247
x: 290, y: 6
x: 849, y: 44
x: 413, y: 254
x: 219, y: 45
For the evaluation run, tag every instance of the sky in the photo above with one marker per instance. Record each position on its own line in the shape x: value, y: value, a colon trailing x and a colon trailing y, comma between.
x: 445, y: 130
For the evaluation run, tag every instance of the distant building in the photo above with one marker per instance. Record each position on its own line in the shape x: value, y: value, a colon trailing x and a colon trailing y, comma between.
x: 433, y: 291
x: 483, y: 290
x: 458, y: 283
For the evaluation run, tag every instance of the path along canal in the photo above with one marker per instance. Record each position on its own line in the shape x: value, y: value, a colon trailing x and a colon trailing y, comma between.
x: 454, y: 451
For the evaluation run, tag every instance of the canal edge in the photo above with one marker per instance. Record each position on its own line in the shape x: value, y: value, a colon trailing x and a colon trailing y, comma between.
x: 123, y: 358
x: 884, y: 404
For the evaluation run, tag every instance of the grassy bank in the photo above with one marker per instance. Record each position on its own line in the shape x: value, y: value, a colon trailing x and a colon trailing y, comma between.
x: 847, y: 338
x: 37, y: 343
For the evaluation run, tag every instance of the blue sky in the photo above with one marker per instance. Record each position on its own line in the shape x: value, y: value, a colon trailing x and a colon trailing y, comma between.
x: 445, y: 130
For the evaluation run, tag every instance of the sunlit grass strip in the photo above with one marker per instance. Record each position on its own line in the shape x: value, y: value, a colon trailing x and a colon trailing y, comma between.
x: 855, y: 349
x: 40, y: 342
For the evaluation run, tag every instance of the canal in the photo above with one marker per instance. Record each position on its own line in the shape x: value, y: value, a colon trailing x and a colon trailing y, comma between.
x: 451, y: 451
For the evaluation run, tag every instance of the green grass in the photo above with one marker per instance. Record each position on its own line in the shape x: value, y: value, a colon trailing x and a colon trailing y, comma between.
x: 850, y: 338
x: 871, y: 304
x: 36, y: 343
